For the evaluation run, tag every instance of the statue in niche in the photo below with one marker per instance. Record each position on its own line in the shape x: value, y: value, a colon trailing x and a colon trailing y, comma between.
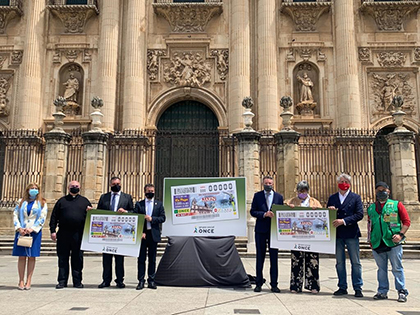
x: 72, y: 88
x: 306, y: 104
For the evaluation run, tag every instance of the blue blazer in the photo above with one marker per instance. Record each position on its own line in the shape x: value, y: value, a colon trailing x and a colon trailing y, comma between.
x: 351, y: 211
x: 259, y: 207
x: 158, y: 217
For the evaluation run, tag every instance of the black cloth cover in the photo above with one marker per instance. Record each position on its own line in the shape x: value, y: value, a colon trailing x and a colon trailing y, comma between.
x: 201, y: 261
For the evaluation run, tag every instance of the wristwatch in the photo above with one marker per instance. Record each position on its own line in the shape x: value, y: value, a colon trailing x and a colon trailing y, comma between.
x: 401, y: 234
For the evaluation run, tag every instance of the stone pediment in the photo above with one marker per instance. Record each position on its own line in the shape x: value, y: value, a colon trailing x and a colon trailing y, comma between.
x: 305, y: 15
x: 188, y: 17
x: 389, y: 15
x: 8, y: 12
x: 73, y: 16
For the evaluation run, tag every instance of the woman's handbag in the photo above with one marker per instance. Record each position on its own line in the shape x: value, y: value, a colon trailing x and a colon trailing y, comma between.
x: 25, y: 240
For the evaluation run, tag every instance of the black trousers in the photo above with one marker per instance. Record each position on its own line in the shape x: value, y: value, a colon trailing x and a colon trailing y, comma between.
x: 262, y: 240
x: 68, y: 246
x: 305, y: 269
x: 151, y: 247
x: 107, y: 268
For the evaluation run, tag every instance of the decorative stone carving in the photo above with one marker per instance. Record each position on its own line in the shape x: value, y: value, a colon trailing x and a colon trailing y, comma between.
x: 364, y: 54
x: 60, y: 105
x: 391, y: 59
x: 290, y: 55
x: 188, y: 17
x: 398, y: 115
x: 286, y: 102
x: 222, y: 61
x: 2, y: 60
x: 16, y: 57
x: 305, y: 53
x: 320, y: 56
x: 4, y: 101
x: 56, y: 56
x: 417, y: 54
x: 153, y: 62
x: 305, y: 15
x: 389, y: 15
x: 71, y: 86
x: 73, y: 17
x: 71, y: 54
x: 8, y: 12
x: 306, y: 104
x: 385, y: 86
x: 247, y: 116
x: 97, y: 103
x: 187, y: 69
x: 87, y: 56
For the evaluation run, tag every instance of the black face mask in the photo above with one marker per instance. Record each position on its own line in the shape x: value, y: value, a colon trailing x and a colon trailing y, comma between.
x: 382, y: 195
x: 74, y: 190
x: 116, y: 188
x: 150, y: 195
x: 268, y: 188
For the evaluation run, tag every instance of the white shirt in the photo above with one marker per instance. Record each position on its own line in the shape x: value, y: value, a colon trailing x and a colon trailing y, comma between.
x: 269, y: 198
x: 116, y: 196
x: 149, y: 210
x: 343, y: 197
x: 305, y: 202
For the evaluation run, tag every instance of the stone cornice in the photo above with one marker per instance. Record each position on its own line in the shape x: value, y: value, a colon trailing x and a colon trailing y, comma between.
x: 389, y: 15
x: 74, y: 17
x: 8, y: 12
x: 188, y: 17
x: 305, y: 15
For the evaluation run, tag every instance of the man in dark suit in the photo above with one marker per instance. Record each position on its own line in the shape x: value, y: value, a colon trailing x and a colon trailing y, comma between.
x: 261, y: 209
x: 120, y: 202
x: 155, y: 216
x: 349, y: 211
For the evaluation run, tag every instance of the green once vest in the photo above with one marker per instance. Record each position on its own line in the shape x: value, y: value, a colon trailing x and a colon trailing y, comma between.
x: 384, y: 225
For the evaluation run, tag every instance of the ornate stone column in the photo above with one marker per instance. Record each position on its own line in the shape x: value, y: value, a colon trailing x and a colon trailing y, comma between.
x: 134, y: 101
x: 108, y: 59
x: 55, y: 161
x: 287, y: 152
x: 267, y: 66
x: 239, y: 61
x: 31, y: 70
x: 347, y: 77
x: 94, y: 164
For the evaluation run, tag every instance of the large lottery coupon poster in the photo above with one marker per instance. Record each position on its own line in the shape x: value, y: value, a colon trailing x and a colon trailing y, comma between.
x: 303, y: 229
x: 113, y: 233
x: 204, y: 207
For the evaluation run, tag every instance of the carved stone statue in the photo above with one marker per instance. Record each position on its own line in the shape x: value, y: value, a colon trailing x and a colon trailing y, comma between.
x: 306, y: 88
x: 72, y: 88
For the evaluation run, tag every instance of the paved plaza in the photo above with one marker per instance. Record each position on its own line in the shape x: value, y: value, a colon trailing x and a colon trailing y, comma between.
x: 43, y: 298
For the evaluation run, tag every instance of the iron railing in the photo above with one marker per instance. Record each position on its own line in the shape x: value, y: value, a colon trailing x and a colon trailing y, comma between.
x: 75, y: 158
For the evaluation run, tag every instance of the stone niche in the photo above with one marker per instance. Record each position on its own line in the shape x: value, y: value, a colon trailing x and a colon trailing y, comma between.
x: 70, y: 87
x: 306, y: 90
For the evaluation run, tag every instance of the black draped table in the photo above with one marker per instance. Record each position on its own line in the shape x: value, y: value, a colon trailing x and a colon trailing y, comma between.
x: 201, y: 261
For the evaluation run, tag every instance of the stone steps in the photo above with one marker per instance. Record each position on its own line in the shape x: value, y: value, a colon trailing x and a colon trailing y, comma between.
x: 48, y: 248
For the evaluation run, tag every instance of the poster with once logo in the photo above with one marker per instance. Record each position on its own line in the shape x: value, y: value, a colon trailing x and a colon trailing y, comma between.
x: 303, y: 229
x: 204, y: 207
x: 113, y: 233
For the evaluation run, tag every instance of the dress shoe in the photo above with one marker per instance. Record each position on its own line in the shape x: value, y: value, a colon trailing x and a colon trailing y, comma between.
x: 358, y: 293
x: 257, y: 288
x: 60, y: 286
x: 275, y: 290
x: 151, y: 285
x: 140, y: 286
x: 120, y: 285
x: 340, y: 292
x: 78, y: 286
x: 103, y: 285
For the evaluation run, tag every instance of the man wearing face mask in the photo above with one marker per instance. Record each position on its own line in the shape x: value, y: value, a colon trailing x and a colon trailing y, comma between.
x: 69, y: 216
x: 154, y: 217
x: 261, y: 209
x: 115, y: 201
x: 388, y: 221
x: 349, y: 211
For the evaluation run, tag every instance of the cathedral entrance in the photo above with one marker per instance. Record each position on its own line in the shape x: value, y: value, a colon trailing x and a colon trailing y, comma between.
x: 187, y: 143
x: 381, y: 157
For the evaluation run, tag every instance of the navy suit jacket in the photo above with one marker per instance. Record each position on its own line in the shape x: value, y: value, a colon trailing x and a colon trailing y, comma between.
x: 125, y: 202
x: 351, y: 211
x: 259, y: 207
x: 158, y: 217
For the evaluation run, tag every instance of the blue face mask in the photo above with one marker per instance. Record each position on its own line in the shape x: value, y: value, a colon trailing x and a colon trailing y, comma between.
x: 33, y: 192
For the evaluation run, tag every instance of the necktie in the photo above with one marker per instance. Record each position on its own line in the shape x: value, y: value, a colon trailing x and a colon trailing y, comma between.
x: 113, y: 202
x: 267, y: 200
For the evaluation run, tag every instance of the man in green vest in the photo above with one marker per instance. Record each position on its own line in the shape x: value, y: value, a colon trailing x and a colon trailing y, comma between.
x: 388, y: 221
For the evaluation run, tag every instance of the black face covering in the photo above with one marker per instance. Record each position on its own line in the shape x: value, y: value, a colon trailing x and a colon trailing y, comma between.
x: 116, y: 188
x: 382, y: 195
x: 150, y: 195
x: 74, y: 190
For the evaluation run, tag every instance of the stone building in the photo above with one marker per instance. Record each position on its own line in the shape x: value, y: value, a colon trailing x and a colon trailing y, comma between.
x: 172, y: 76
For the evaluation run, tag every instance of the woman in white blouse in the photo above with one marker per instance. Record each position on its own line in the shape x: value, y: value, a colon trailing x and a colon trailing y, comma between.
x: 29, y: 217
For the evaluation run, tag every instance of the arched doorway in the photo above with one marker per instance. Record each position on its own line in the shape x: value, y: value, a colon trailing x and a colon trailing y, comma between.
x: 187, y: 143
x: 381, y: 156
